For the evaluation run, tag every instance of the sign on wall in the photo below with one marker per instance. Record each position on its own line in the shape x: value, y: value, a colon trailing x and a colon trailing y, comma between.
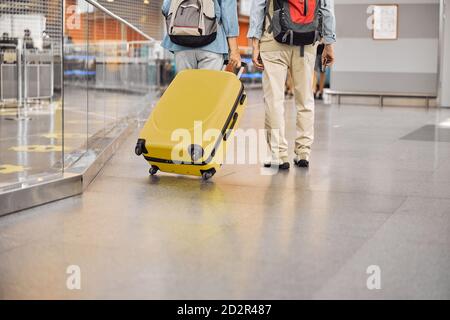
x: 385, y: 22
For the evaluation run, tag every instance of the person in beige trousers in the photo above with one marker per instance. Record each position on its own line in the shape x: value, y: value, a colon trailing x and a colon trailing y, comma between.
x: 275, y: 59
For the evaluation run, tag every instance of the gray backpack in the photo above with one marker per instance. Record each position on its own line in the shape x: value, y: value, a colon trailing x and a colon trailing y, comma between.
x: 192, y: 23
x: 295, y: 22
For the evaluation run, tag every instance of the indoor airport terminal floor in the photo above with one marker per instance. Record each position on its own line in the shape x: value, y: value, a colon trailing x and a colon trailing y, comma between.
x: 377, y: 193
x: 81, y: 218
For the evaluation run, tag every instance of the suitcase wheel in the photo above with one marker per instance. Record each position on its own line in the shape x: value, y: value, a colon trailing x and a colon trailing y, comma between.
x: 153, y: 170
x: 206, y: 175
x: 140, y: 147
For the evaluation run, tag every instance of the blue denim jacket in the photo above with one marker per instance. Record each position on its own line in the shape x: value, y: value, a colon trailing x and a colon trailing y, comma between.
x: 257, y: 17
x: 226, y: 13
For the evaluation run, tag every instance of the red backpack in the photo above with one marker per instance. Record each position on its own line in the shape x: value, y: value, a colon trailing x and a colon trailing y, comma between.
x: 295, y: 22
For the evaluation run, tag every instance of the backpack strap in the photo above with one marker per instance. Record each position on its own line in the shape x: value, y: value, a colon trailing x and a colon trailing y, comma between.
x: 172, y: 10
x: 267, y: 15
x: 219, y: 21
x: 289, y: 34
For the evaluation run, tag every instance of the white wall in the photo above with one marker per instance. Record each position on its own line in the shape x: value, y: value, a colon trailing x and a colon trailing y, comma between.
x: 406, y: 65
x: 444, y: 99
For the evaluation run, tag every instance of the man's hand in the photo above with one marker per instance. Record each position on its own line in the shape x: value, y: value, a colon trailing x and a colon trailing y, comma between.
x: 328, y: 55
x: 234, y: 56
x: 256, y: 55
x: 234, y: 59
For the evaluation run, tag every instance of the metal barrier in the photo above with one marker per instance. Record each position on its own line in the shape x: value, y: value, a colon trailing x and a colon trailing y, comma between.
x: 9, y: 75
x: 124, y: 75
x: 131, y: 66
x: 38, y: 74
x: 27, y: 75
x: 9, y: 82
x: 123, y: 66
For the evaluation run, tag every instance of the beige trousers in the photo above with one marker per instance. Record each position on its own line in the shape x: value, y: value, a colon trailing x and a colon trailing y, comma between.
x: 276, y: 65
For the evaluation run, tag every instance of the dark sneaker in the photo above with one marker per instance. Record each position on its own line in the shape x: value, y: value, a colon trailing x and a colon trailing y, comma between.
x: 301, y: 163
x: 283, y: 166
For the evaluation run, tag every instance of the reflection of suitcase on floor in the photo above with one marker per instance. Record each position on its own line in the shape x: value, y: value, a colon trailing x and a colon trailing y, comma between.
x: 186, y: 131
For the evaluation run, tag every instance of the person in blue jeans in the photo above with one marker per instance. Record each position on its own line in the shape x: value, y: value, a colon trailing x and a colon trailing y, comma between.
x: 211, y: 56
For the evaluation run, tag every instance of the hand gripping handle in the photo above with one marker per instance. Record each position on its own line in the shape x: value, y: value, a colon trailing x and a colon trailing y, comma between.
x: 240, y: 70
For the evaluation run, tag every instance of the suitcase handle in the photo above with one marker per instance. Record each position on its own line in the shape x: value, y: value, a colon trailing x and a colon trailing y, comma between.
x: 239, y: 72
x: 233, y: 123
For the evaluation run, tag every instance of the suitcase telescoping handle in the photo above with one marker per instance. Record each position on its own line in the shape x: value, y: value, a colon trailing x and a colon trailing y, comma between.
x: 239, y: 72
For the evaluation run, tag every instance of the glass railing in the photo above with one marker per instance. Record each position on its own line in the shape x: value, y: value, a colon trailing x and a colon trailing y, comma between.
x: 69, y: 85
x: 31, y: 109
x: 107, y: 79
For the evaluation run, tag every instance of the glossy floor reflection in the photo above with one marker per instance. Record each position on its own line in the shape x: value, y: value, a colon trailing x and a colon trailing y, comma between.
x: 34, y: 147
x: 369, y: 198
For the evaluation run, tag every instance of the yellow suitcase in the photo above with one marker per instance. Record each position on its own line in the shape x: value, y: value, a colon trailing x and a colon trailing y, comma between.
x: 190, y: 125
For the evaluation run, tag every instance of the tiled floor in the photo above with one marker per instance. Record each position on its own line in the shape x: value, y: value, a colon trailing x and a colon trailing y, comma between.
x: 369, y: 198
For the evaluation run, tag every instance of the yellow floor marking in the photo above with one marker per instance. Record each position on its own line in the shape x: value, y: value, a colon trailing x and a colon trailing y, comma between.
x: 7, y: 113
x: 66, y: 135
x: 6, y: 108
x: 10, y: 168
x: 38, y: 148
